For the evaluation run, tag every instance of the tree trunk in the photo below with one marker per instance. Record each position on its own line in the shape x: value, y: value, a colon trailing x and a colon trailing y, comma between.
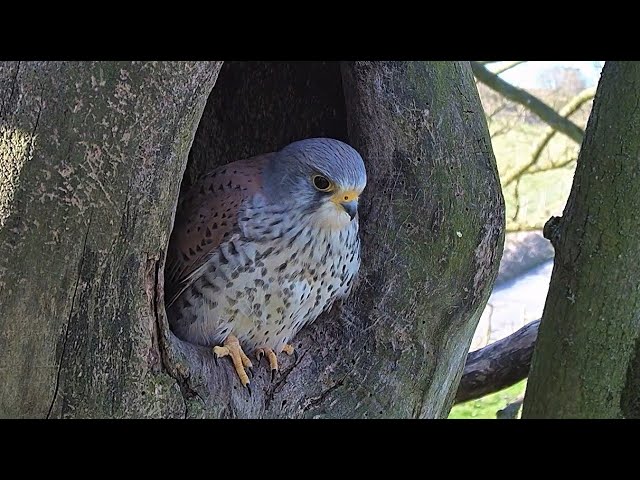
x: 587, y: 360
x: 89, y: 202
x: 92, y: 154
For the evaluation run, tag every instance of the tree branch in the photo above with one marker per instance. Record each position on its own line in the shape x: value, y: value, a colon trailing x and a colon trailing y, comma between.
x: 518, y: 202
x: 507, y: 67
x: 554, y: 166
x: 523, y: 228
x: 534, y: 104
x: 498, y: 365
x: 569, y: 109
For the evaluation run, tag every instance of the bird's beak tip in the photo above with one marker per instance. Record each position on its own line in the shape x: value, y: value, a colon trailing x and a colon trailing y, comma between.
x: 351, y: 208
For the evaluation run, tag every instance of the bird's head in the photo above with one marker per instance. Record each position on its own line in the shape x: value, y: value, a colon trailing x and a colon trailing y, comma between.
x: 321, y: 176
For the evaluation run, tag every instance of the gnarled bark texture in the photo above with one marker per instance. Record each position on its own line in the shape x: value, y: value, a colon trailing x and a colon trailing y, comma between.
x: 91, y: 156
x: 586, y: 363
x: 83, y: 330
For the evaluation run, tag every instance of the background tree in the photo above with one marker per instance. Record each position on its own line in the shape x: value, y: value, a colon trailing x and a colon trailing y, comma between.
x: 586, y: 363
x: 92, y: 156
x: 563, y: 106
x: 533, y: 132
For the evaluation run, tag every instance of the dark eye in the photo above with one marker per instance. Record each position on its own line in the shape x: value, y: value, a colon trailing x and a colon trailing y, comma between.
x: 321, y: 183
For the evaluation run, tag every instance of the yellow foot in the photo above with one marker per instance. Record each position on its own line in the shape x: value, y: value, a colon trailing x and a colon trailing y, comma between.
x: 288, y: 349
x: 240, y: 360
x: 271, y: 356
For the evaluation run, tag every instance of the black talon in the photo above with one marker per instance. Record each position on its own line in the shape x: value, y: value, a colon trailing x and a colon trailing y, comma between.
x: 215, y: 358
x: 250, y: 372
x: 248, y: 389
x: 273, y: 374
x: 295, y: 356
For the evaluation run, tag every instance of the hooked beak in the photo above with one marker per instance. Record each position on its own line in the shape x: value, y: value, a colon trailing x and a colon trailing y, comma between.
x: 351, y: 208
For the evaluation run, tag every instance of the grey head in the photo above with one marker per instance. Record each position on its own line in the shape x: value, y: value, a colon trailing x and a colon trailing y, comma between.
x: 319, y: 175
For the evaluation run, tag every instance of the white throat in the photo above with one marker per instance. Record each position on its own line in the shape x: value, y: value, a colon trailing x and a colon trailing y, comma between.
x: 331, y: 216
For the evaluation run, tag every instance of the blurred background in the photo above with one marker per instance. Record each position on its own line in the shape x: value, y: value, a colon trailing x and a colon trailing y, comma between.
x: 536, y: 112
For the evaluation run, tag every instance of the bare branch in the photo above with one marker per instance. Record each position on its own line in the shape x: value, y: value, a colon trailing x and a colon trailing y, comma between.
x: 534, y: 104
x: 523, y: 228
x: 500, y: 131
x: 517, y: 202
x: 507, y: 67
x: 498, y: 109
x: 499, y: 365
x: 555, y: 166
x: 569, y: 109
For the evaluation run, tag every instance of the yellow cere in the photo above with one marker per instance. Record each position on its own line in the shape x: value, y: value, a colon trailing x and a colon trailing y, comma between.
x: 345, y: 196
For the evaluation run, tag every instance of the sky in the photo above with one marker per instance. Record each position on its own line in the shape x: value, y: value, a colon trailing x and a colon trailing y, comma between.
x: 527, y: 75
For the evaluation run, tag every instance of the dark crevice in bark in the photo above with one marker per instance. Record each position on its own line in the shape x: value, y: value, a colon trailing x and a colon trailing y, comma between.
x: 73, y: 302
x: 152, y: 281
x: 281, y: 381
x: 630, y: 400
x: 318, y: 400
x: 33, y: 133
x: 14, y: 83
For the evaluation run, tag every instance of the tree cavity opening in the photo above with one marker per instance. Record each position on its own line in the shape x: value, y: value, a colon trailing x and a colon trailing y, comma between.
x: 259, y: 107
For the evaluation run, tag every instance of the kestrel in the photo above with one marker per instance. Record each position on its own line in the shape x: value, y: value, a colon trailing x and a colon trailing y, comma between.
x: 262, y: 246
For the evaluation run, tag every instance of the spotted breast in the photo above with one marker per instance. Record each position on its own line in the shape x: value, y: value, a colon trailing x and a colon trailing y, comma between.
x: 263, y: 246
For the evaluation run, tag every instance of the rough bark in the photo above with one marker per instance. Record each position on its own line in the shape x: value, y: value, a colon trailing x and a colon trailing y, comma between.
x: 91, y: 158
x: 498, y: 365
x: 586, y: 362
x: 432, y: 229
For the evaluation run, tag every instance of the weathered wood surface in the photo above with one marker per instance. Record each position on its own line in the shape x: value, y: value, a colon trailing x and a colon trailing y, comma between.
x: 94, y: 154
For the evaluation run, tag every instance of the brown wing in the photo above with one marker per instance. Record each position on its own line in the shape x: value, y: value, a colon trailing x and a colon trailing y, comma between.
x: 207, y: 215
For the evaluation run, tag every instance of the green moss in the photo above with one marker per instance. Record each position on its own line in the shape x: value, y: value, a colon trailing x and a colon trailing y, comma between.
x: 487, y: 406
